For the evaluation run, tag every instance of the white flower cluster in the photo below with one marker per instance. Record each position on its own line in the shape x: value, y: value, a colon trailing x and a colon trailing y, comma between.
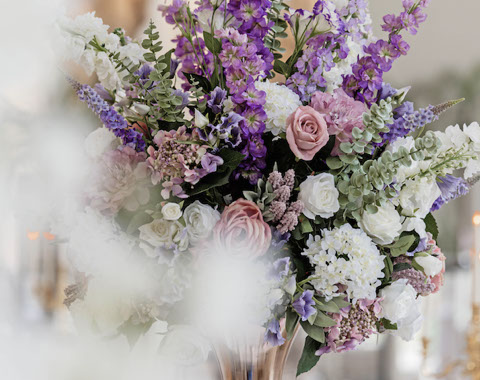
x: 345, y: 256
x: 281, y: 102
x: 76, y: 36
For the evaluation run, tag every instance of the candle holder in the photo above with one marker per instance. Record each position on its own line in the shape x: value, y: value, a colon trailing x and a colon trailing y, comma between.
x: 471, y: 365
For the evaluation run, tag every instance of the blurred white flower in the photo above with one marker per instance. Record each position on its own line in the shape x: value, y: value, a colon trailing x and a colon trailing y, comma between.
x: 401, y: 306
x: 100, y: 141
x: 430, y: 264
x: 200, y: 220
x: 185, y: 345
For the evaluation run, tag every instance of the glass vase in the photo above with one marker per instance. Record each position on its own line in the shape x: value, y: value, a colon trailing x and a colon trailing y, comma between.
x: 241, y: 361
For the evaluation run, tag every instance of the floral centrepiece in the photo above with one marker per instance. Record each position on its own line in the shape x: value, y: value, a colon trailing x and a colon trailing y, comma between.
x: 310, y: 166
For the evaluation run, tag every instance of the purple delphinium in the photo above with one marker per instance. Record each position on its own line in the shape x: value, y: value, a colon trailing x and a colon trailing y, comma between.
x: 367, y: 73
x: 109, y: 116
x: 228, y: 130
x: 273, y: 335
x: 451, y: 188
x: 303, y: 305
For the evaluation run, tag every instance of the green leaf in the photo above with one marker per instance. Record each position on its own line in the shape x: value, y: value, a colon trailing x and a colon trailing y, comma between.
x: 341, y: 303
x: 291, y: 322
x: 281, y: 67
x: 334, y: 163
x: 323, y: 321
x: 203, y: 82
x: 308, y: 359
x: 388, y: 325
x: 212, y: 44
x: 314, y: 331
x: 305, y: 226
x: 431, y: 225
x: 401, y: 246
x: 401, y: 266
x: 231, y: 160
x: 329, y: 307
x: 388, y: 268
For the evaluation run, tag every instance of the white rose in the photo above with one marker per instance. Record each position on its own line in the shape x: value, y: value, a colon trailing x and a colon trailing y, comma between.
x: 185, y: 345
x: 171, y: 211
x: 319, y: 196
x: 99, y: 141
x: 384, y: 226
x: 418, y: 195
x: 200, y: 220
x: 430, y: 264
x: 401, y: 306
x: 163, y: 233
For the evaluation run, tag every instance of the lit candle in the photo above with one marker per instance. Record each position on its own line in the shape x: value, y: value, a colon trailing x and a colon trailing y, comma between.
x: 474, y: 255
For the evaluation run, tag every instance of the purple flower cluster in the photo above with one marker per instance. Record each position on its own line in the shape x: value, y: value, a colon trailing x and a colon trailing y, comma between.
x: 273, y: 335
x: 251, y: 20
x: 355, y: 323
x: 367, y: 74
x: 193, y: 55
x: 243, y: 64
x: 355, y: 20
x: 304, y: 305
x: 284, y: 212
x: 109, y: 117
x: 451, y: 188
x: 318, y: 57
x: 227, y: 130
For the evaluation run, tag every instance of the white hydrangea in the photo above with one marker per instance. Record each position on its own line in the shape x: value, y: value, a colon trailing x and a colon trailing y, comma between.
x: 281, y: 102
x: 345, y: 256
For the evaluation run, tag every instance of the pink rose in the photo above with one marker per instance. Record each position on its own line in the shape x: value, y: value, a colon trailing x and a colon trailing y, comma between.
x: 241, y: 230
x: 306, y: 132
x: 341, y: 112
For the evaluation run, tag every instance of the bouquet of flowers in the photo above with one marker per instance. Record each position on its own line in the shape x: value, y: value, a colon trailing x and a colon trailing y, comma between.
x: 307, y: 163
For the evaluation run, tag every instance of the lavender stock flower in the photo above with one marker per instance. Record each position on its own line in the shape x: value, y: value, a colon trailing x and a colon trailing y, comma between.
x: 109, y: 116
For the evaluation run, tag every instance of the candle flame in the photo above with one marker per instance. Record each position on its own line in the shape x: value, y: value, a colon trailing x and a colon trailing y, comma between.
x: 33, y: 235
x: 476, y: 218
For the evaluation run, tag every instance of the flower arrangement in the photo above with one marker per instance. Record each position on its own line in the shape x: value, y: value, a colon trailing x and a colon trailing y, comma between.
x: 310, y: 164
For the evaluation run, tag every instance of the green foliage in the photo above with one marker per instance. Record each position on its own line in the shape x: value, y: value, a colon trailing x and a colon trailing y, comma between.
x: 271, y: 40
x: 212, y: 44
x: 308, y: 359
x: 313, y: 331
x: 291, y: 322
x: 431, y: 225
x: 402, y: 245
x: 133, y: 331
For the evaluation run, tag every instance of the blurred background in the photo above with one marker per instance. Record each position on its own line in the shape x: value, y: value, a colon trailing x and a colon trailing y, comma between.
x: 36, y: 103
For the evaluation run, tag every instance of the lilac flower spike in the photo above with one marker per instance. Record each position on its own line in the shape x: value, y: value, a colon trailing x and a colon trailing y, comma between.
x: 109, y: 116
x: 303, y: 305
x: 451, y: 188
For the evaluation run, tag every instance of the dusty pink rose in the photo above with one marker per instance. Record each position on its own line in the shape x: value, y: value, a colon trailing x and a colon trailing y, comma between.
x: 241, y: 230
x: 306, y: 132
x: 341, y: 113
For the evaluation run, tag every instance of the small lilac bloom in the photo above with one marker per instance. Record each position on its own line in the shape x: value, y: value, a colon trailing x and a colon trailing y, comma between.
x: 304, y: 305
x: 273, y: 335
